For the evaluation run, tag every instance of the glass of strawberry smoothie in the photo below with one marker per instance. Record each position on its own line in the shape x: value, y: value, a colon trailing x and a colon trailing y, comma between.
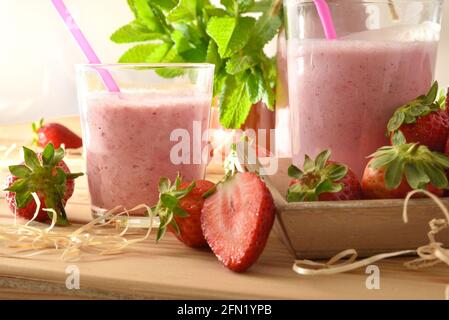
x: 156, y: 126
x: 342, y: 92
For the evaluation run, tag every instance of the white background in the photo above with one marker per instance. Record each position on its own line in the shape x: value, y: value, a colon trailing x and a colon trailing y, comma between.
x: 37, y: 55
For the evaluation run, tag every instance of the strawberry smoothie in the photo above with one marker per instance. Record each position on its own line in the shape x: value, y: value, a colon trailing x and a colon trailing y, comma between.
x: 128, y: 146
x: 342, y: 94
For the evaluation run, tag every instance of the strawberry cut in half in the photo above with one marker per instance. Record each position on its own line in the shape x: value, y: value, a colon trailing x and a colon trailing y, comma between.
x: 179, y: 209
x: 424, y: 120
x: 396, y: 170
x: 323, y: 180
x: 45, y: 174
x: 55, y: 133
x: 237, y: 219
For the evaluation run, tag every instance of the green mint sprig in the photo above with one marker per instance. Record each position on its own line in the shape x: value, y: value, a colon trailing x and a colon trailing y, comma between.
x: 197, y: 31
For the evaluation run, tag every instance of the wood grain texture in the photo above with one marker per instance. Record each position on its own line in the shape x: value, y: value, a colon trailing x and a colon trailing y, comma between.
x: 171, y: 270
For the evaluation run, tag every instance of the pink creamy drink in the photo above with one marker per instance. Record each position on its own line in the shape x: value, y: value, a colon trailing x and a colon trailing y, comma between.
x: 128, y: 143
x: 342, y: 94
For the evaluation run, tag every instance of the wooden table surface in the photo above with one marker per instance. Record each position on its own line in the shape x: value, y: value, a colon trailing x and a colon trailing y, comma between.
x: 171, y: 270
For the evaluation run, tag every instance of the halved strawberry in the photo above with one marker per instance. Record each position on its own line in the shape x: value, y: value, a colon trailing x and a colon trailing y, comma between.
x: 45, y: 174
x: 396, y: 170
x: 237, y: 219
x: 323, y: 180
x: 57, y: 134
x: 424, y: 120
x: 179, y: 209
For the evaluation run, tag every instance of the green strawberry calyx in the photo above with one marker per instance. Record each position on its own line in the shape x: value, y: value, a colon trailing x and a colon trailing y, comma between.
x: 417, y: 163
x: 36, y: 126
x: 168, y: 205
x: 318, y: 176
x: 43, y: 177
x: 420, y: 107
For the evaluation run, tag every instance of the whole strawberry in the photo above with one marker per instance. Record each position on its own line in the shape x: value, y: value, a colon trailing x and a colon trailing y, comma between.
x: 424, y: 120
x: 396, y: 170
x: 237, y: 219
x: 323, y: 180
x: 179, y: 209
x: 57, y: 134
x: 45, y: 174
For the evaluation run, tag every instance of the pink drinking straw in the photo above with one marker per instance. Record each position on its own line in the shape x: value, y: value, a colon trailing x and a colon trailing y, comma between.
x: 326, y: 19
x: 84, y: 44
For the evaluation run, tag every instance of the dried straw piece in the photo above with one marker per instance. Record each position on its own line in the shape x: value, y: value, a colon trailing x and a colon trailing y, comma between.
x: 93, y: 240
x: 428, y: 255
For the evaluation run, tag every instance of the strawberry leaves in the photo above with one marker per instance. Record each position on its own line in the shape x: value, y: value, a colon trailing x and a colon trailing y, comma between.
x: 417, y: 163
x: 317, y: 177
x: 421, y: 106
x: 42, y: 177
x: 168, y: 206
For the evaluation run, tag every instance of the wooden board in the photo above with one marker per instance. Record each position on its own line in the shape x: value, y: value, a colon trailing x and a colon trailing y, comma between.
x: 171, y: 270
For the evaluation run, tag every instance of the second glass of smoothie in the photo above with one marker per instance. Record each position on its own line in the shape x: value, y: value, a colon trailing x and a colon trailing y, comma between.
x: 342, y: 92
x: 155, y: 127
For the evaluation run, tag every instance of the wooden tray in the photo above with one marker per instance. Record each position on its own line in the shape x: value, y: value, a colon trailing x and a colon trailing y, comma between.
x: 319, y: 230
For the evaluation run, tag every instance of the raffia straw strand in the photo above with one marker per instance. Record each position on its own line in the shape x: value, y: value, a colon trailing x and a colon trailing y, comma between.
x: 28, y: 241
x: 428, y: 255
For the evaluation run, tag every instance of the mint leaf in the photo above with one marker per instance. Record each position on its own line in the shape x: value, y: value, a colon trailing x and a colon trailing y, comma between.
x: 260, y: 6
x: 234, y: 103
x: 269, y: 76
x: 219, y: 82
x: 240, y: 36
x: 264, y: 30
x: 185, y: 11
x: 159, y: 53
x: 211, y: 11
x: 229, y: 5
x: 237, y: 64
x: 220, y: 29
x: 171, y: 56
x: 164, y: 4
x: 230, y: 34
x: 244, y: 5
x: 255, y: 86
x: 181, y: 42
x: 138, y: 53
x: 146, y: 15
x: 134, y: 32
x: 195, y: 55
x: 132, y: 7
x: 212, y: 55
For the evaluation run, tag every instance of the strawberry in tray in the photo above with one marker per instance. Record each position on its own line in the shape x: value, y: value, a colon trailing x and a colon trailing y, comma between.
x: 179, y: 209
x: 322, y: 180
x: 424, y: 120
x: 396, y: 170
x: 45, y: 174
x: 57, y: 134
x: 237, y: 219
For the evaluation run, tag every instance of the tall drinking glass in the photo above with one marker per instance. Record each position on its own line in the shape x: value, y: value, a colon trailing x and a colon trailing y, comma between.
x: 155, y: 127
x: 343, y: 92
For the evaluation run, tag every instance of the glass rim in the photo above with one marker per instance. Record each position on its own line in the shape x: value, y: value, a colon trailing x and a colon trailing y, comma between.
x: 146, y: 65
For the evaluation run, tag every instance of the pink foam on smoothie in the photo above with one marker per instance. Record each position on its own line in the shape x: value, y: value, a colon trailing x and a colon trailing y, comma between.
x: 342, y: 95
x: 128, y: 144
